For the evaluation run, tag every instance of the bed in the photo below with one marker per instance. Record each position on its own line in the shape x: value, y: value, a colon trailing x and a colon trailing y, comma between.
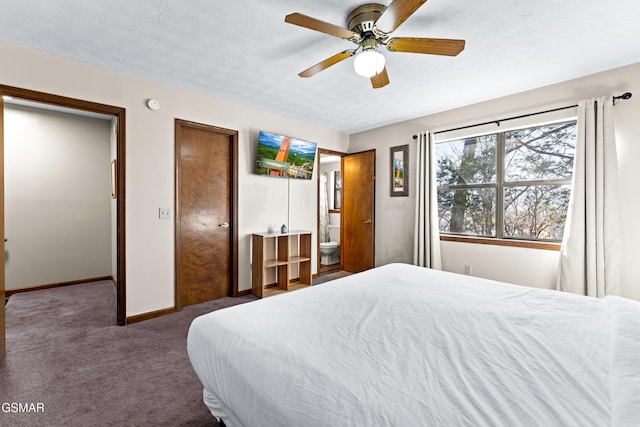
x: 401, y: 345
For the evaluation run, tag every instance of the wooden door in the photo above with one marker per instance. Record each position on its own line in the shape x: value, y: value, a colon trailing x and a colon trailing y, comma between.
x: 3, y: 346
x: 358, y: 211
x: 206, y: 225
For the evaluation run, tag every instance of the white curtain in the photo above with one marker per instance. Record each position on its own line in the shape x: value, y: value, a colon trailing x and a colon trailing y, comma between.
x: 591, y: 254
x: 426, y: 244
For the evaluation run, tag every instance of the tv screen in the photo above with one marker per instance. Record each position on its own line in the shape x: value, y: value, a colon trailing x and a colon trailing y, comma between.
x: 280, y: 155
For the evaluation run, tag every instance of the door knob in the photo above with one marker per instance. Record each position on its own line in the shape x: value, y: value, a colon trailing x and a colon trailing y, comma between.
x: 224, y: 225
x: 368, y: 221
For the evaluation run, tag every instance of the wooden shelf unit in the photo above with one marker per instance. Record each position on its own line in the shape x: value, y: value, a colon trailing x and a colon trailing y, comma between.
x: 281, y: 262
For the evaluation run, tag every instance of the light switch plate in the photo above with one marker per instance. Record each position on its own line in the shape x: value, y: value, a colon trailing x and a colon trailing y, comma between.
x: 164, y: 213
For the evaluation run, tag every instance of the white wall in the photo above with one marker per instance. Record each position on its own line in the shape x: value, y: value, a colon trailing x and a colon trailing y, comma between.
x: 394, y: 215
x: 57, y: 196
x: 263, y: 201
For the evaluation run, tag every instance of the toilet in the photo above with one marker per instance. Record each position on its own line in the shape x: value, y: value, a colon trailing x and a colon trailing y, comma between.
x: 330, y: 251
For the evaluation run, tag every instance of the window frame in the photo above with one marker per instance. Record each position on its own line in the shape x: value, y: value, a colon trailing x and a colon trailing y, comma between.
x: 499, y: 186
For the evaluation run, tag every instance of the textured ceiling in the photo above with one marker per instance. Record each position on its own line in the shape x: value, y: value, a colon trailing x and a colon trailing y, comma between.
x: 243, y: 51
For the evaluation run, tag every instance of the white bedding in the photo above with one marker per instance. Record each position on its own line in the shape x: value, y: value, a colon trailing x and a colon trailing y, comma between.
x: 408, y: 346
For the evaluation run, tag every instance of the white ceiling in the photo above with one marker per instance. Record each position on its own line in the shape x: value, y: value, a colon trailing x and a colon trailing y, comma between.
x: 243, y: 51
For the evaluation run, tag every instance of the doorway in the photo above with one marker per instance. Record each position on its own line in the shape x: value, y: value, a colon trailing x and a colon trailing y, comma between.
x: 329, y: 211
x: 353, y: 215
x: 206, y: 213
x: 86, y: 106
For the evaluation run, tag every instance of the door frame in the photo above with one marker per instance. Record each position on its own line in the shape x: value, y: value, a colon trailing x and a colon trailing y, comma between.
x: 3, y: 322
x: 233, y: 134
x: 330, y: 153
x: 120, y: 114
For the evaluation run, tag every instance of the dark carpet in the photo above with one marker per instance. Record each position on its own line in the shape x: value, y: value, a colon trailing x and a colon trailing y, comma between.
x: 65, y: 355
x: 330, y: 276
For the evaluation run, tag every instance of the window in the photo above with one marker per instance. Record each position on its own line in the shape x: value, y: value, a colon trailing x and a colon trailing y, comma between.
x: 508, y: 185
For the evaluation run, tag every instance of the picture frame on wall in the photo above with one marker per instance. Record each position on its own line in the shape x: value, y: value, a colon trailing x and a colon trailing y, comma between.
x: 399, y: 171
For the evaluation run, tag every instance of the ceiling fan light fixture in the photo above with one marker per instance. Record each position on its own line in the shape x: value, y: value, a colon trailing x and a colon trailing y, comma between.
x: 368, y: 63
x: 369, y: 27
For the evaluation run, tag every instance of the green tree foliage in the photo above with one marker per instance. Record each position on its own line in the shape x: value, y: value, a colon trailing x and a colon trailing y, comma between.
x: 301, y: 160
x: 538, y: 164
x: 465, y: 163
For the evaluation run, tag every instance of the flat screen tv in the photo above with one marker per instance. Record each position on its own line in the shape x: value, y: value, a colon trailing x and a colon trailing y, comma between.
x: 283, y: 156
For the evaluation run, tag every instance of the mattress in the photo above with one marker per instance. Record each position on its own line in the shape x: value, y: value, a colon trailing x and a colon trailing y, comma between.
x: 401, y: 345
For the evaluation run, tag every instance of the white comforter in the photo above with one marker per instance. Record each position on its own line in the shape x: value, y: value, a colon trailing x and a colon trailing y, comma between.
x: 407, y: 346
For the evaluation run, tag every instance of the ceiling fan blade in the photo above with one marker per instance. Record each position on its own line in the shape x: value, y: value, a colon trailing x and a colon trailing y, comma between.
x: 312, y: 71
x: 397, y: 12
x: 381, y: 79
x: 449, y: 47
x: 318, y: 25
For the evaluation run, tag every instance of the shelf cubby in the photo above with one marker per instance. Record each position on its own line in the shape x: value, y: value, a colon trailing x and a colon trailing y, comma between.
x: 281, y: 262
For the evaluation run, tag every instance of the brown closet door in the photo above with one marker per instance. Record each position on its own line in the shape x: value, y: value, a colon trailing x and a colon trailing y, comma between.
x: 205, y: 221
x: 358, y: 211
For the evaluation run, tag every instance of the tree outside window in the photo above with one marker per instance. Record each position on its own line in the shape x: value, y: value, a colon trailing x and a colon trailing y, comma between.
x: 513, y: 184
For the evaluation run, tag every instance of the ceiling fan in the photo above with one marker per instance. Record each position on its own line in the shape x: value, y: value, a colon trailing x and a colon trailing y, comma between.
x: 369, y: 27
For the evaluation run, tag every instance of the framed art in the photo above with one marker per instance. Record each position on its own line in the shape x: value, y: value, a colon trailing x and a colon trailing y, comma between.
x: 399, y: 171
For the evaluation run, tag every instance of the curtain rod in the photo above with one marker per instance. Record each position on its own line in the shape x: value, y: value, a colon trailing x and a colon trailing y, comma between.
x: 624, y: 96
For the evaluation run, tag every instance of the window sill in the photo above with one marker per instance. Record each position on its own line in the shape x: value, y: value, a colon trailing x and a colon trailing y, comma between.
x: 549, y: 246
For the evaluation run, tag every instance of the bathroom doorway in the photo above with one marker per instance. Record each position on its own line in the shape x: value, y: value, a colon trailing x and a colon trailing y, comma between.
x: 329, y: 211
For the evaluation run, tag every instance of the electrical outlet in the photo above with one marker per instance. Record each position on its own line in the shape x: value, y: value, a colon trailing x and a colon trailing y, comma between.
x: 164, y: 213
x: 467, y: 269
